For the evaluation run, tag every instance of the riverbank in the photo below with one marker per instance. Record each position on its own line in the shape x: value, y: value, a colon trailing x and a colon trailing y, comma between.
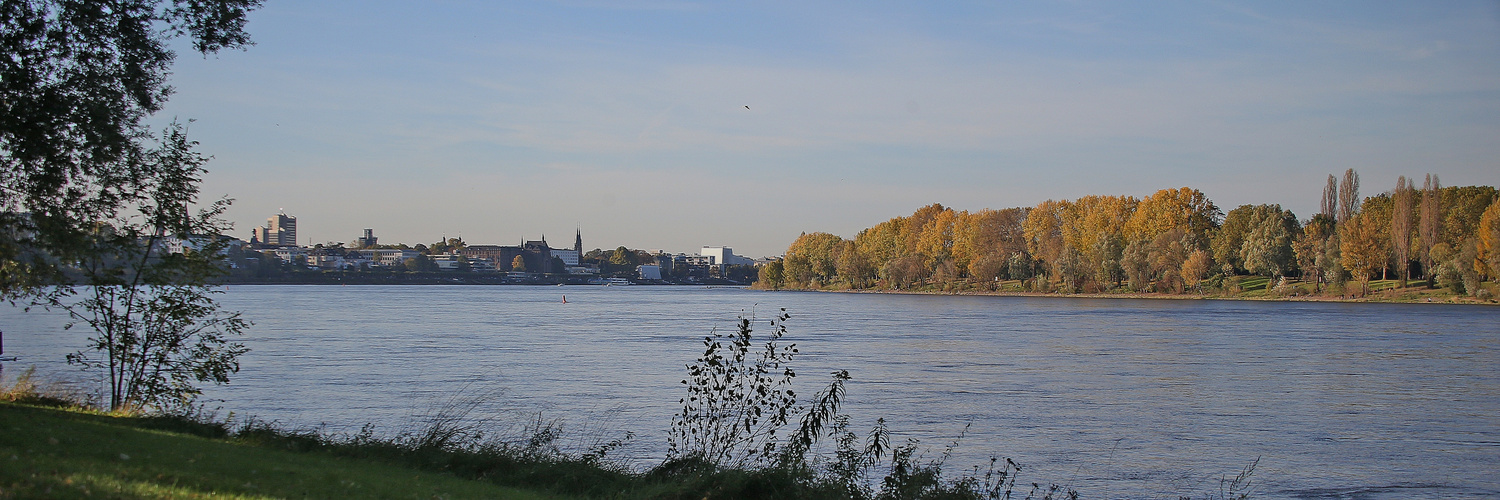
x: 450, y: 278
x: 445, y: 278
x: 1245, y: 288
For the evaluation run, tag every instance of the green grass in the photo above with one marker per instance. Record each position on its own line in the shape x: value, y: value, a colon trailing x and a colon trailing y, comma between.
x: 58, y: 453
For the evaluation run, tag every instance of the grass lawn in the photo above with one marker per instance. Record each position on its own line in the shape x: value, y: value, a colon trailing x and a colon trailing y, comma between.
x: 51, y: 453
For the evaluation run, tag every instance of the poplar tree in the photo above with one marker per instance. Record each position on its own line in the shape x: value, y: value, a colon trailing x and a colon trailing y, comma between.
x: 1348, y: 196
x: 1430, y: 224
x: 1331, y: 198
x: 1401, y: 228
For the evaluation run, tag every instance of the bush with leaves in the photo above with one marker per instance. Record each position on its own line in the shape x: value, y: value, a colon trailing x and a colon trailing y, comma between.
x: 739, y: 396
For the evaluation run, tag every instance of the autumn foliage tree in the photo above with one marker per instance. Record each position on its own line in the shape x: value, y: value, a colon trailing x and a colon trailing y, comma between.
x: 812, y: 259
x: 1360, y: 248
x: 1489, y: 238
x: 1169, y: 242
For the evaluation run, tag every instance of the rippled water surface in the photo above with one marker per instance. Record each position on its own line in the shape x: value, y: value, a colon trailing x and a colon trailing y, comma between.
x: 1113, y: 397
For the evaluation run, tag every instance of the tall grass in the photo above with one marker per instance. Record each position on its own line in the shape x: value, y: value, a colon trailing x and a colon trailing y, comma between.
x: 28, y: 389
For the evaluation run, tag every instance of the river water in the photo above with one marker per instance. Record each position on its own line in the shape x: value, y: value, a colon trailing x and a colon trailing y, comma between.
x: 1117, y: 398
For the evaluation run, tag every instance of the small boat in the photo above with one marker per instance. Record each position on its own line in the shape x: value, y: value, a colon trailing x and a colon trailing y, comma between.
x: 618, y: 282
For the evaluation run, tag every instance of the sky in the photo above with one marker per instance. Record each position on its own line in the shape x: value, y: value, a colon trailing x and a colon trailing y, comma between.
x: 675, y: 125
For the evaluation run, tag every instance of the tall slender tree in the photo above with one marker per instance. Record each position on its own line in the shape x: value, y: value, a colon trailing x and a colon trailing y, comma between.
x: 1348, y: 195
x: 1430, y: 224
x: 1331, y: 198
x: 1401, y: 228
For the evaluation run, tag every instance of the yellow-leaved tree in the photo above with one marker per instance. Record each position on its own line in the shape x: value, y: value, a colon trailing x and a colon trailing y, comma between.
x: 812, y: 260
x: 1489, y: 238
x: 1182, y: 208
x: 1043, y: 232
x: 1360, y: 249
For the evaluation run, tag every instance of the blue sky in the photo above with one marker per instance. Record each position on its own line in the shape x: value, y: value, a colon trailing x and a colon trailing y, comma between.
x: 500, y: 120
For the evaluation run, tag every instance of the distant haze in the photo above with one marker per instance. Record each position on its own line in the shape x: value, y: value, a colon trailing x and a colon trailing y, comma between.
x: 674, y: 125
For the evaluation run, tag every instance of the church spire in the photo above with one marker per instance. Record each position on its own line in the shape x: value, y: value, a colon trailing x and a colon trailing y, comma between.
x: 578, y: 241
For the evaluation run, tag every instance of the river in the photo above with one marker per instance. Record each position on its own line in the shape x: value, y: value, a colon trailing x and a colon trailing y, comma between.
x: 1117, y: 398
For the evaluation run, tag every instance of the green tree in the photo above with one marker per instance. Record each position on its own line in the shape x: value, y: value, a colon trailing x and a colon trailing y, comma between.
x: 1136, y: 262
x: 771, y: 275
x: 421, y: 263
x: 1309, y: 246
x: 447, y: 246
x: 1462, y: 209
x: 622, y: 257
x: 1230, y: 238
x: 1267, y: 248
x: 77, y: 82
x: 157, y: 328
x: 1021, y: 266
x: 1379, y: 211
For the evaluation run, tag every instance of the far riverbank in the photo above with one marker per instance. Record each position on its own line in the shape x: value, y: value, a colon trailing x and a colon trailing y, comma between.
x: 1252, y: 289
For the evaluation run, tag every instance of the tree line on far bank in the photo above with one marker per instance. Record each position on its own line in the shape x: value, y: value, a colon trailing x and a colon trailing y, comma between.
x: 1174, y: 241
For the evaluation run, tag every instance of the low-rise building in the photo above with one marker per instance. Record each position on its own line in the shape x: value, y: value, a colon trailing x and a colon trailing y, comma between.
x: 389, y: 257
x: 291, y: 254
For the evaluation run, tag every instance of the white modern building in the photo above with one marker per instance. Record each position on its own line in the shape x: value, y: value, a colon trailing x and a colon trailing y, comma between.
x: 724, y: 256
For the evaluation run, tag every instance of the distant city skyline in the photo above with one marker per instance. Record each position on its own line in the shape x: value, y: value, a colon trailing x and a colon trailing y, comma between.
x: 675, y: 125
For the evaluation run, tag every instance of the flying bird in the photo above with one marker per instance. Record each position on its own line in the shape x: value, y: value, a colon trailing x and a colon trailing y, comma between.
x: 747, y: 107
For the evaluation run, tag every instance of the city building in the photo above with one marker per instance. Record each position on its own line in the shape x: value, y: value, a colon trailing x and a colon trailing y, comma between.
x: 571, y: 257
x: 291, y: 254
x: 366, y: 241
x: 724, y: 256
x: 390, y: 257
x: 535, y: 255
x: 280, y: 231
